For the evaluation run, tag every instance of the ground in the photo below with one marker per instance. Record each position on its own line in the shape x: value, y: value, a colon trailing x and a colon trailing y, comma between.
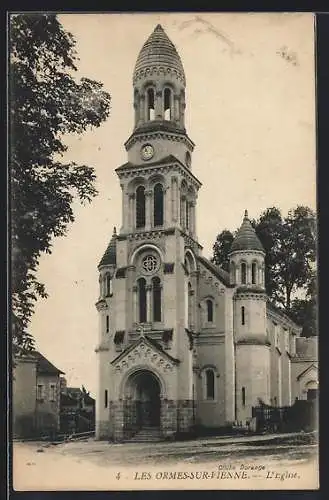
x: 286, y: 461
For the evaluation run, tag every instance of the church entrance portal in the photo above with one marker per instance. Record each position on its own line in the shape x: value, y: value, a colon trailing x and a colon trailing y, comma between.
x: 142, y: 401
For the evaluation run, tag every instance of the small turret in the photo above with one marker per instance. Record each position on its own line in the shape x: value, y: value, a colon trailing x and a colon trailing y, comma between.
x: 252, y: 345
x: 247, y: 256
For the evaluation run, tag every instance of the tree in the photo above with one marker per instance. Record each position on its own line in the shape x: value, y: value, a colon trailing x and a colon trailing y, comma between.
x: 221, y: 249
x: 290, y: 246
x: 46, y: 102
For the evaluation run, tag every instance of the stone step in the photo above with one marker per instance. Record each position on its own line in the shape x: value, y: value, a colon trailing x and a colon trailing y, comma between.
x: 146, y: 435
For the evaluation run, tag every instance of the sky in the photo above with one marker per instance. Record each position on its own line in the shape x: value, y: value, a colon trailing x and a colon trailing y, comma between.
x: 250, y: 110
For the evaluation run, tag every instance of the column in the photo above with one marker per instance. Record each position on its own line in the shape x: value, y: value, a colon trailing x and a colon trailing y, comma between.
x: 192, y: 217
x: 158, y: 105
x: 143, y: 109
x: 166, y: 206
x: 249, y: 273
x: 183, y: 212
x: 176, y: 108
x: 237, y: 274
x: 148, y: 209
x: 137, y: 109
x: 131, y: 212
x: 174, y: 200
x: 148, y: 303
x: 135, y: 319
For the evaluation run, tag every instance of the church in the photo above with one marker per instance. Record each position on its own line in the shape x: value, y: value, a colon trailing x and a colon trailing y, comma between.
x: 183, y: 343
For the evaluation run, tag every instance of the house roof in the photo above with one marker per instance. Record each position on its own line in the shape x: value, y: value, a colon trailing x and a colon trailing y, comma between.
x: 222, y: 275
x: 45, y: 366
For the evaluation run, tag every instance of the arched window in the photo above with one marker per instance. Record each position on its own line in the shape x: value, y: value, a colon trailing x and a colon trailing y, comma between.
x: 150, y: 104
x: 158, y: 205
x: 210, y: 384
x: 232, y: 270
x: 108, y: 284
x: 253, y: 273
x: 156, y: 299
x: 243, y: 273
x: 210, y: 310
x: 243, y: 315
x: 107, y: 323
x: 142, y: 300
x: 167, y: 104
x: 140, y: 206
x: 243, y: 396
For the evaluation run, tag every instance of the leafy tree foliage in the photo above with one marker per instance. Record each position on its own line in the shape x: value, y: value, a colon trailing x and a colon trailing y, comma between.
x: 221, y: 249
x: 46, y: 102
x: 290, y: 246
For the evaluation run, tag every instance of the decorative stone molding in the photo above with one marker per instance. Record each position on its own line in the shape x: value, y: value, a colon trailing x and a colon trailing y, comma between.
x: 101, y: 305
x: 144, y: 353
x: 159, y: 135
x: 157, y: 71
x: 190, y: 242
x: 249, y: 295
x: 251, y: 339
x: 130, y: 172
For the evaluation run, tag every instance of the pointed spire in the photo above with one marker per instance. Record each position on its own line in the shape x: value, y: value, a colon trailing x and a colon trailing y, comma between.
x: 246, y: 214
x: 158, y: 28
x: 110, y: 255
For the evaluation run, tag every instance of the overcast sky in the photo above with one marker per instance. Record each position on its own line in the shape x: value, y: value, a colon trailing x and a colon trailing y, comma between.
x: 251, y: 113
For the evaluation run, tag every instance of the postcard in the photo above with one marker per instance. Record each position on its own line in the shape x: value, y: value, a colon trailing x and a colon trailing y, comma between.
x: 164, y: 251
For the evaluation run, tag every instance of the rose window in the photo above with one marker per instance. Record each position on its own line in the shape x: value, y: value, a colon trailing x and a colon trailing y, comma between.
x: 150, y: 264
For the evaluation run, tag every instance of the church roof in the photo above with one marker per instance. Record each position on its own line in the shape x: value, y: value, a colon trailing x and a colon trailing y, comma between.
x: 246, y: 237
x: 110, y: 255
x: 158, y: 50
x: 222, y: 275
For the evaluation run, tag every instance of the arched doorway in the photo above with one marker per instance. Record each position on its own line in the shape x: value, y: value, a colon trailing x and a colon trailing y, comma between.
x: 142, y: 401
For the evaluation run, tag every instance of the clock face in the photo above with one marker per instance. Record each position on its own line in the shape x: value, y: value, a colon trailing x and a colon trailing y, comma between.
x: 147, y: 151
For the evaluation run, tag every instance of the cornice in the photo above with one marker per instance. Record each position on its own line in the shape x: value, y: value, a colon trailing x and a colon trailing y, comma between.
x: 170, y: 166
x: 158, y: 70
x: 247, y: 252
x: 247, y: 295
x: 144, y: 136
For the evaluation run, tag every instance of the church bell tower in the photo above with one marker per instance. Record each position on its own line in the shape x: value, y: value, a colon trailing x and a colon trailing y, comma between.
x: 148, y: 274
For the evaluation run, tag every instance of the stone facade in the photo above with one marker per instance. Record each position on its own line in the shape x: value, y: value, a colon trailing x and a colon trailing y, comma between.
x: 182, y: 343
